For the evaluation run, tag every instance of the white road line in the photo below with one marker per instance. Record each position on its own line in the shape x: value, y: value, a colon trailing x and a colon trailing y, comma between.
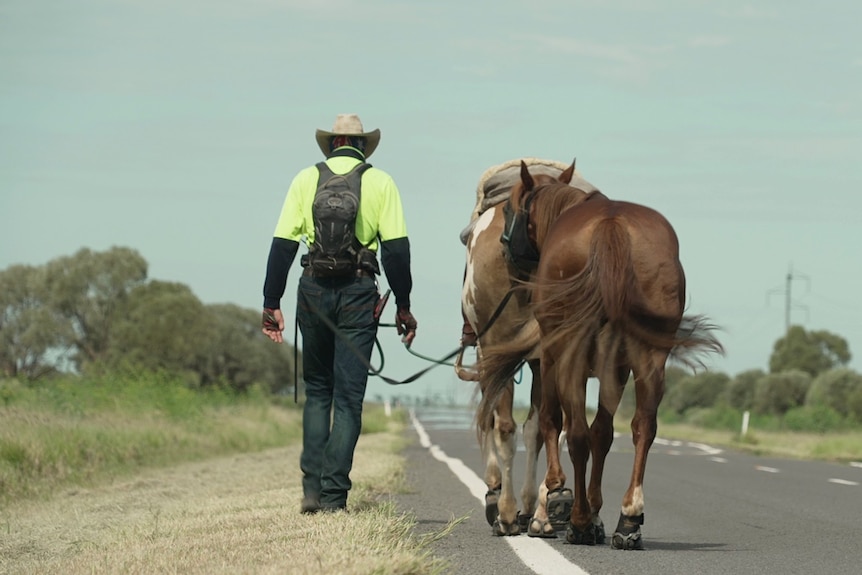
x: 842, y: 481
x: 534, y: 552
x: 767, y: 469
x: 708, y: 449
x: 856, y: 464
x: 718, y: 459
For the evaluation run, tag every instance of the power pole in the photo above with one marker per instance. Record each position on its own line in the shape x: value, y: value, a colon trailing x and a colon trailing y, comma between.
x: 788, y: 299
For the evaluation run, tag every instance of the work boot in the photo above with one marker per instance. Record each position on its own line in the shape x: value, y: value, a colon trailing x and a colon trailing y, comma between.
x: 309, y: 505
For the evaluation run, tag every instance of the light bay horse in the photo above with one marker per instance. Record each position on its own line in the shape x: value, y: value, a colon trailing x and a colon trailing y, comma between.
x: 497, y: 312
x: 608, y: 295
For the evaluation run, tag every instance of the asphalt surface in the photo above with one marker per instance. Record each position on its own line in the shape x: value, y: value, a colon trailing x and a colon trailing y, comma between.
x: 708, y: 511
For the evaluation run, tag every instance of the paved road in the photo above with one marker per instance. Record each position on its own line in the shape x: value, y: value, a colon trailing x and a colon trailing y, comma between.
x: 707, y: 511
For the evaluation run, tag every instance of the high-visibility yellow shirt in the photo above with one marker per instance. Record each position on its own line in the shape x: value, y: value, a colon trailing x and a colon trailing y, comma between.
x: 380, y: 210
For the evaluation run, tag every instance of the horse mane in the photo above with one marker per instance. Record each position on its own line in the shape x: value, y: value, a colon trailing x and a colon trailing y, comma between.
x: 556, y: 197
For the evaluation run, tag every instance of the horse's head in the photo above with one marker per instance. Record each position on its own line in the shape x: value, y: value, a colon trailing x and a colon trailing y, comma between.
x: 522, y: 190
x: 532, y: 219
x: 519, y: 236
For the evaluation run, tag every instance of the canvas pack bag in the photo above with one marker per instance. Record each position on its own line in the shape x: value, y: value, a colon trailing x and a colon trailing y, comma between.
x: 336, y: 250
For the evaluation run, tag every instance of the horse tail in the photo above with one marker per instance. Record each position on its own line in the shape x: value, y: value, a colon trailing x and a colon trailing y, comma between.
x: 611, y: 265
x: 695, y: 338
x: 593, y: 304
x: 497, y: 366
x: 684, y: 338
x: 609, y: 309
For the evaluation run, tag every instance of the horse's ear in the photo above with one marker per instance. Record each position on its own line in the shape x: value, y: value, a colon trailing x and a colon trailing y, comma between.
x: 566, y: 176
x: 526, y: 178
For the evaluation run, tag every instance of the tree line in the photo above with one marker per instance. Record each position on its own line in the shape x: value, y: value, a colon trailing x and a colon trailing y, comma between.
x: 97, y: 311
x: 808, y: 387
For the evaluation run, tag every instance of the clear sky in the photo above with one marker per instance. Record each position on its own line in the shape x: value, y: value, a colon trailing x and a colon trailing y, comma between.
x: 175, y: 128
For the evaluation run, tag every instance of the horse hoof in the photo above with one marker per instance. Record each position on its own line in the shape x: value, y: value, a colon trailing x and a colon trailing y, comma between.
x: 491, y: 499
x: 629, y: 542
x: 559, y: 507
x: 600, y: 530
x: 506, y: 529
x: 540, y: 528
x: 628, y: 533
x: 575, y: 536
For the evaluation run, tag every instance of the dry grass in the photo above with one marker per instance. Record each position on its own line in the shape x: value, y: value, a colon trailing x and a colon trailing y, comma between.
x: 236, y: 514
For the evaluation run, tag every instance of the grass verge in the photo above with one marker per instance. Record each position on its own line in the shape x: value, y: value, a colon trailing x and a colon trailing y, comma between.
x: 833, y: 446
x: 162, y: 485
x: 839, y: 446
x: 84, y: 431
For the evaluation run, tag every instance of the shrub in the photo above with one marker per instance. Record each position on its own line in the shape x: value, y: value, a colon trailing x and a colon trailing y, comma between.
x: 817, y: 418
x: 833, y: 389
x: 719, y: 417
x: 740, y: 390
x: 777, y: 393
x: 854, y: 406
x: 702, y: 390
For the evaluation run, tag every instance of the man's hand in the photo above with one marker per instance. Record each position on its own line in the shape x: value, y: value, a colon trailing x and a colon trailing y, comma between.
x: 273, y: 324
x: 406, y: 324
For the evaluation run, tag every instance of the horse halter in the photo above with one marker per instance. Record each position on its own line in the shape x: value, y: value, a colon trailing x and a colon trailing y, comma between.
x: 519, y: 249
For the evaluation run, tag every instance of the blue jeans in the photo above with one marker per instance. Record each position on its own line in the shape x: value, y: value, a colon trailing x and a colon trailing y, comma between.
x: 335, y: 378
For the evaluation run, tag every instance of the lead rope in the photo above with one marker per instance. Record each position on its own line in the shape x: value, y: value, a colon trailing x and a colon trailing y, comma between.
x: 295, y: 361
x: 377, y: 372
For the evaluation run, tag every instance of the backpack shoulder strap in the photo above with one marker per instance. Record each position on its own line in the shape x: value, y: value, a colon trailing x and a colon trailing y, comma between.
x: 354, y: 177
x: 359, y: 169
x: 325, y: 172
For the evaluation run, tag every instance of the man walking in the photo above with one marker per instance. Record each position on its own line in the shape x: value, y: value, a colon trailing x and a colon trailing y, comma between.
x: 343, y: 197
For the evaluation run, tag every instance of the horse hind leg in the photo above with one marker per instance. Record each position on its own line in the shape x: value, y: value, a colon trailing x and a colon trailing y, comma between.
x: 533, y: 446
x: 502, y: 513
x: 649, y: 389
x: 611, y: 389
x: 550, y: 427
x: 580, y: 530
x: 493, y: 477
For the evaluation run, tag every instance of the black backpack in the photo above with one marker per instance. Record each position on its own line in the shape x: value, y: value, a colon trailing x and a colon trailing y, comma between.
x: 336, y: 250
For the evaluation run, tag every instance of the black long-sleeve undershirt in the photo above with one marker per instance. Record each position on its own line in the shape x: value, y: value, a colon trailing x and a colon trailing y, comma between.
x: 395, y: 257
x: 282, y: 252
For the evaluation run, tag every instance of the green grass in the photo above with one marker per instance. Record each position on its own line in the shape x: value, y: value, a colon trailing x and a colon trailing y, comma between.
x: 79, y: 431
x: 76, y: 431
x: 833, y: 446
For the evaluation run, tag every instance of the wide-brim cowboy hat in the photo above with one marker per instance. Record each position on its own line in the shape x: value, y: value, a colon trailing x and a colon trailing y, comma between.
x: 348, y: 125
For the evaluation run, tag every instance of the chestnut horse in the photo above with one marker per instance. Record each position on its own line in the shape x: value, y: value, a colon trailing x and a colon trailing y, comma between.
x: 496, y: 311
x: 608, y: 295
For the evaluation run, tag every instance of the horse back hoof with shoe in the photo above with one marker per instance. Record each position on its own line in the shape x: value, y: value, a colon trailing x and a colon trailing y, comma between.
x: 503, y: 530
x: 628, y: 533
x: 541, y: 528
x: 560, y: 507
x: 491, y: 512
x: 585, y: 536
